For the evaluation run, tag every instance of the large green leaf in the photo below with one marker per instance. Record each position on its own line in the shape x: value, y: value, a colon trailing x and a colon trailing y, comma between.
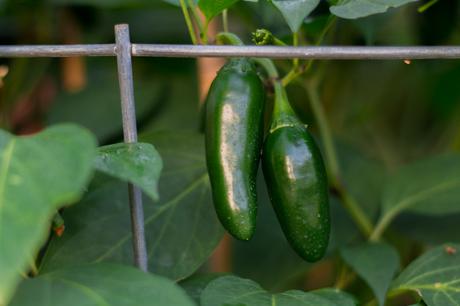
x: 212, y: 8
x: 232, y: 290
x: 430, y: 187
x: 375, y: 263
x: 137, y: 163
x: 195, y: 284
x: 181, y: 229
x: 295, y: 11
x: 99, y: 285
x: 37, y: 175
x: 435, y: 276
x: 109, y: 3
x: 352, y: 9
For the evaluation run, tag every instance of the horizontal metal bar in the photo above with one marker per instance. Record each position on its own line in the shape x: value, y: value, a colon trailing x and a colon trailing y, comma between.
x: 333, y: 52
x: 57, y: 50
x: 326, y: 52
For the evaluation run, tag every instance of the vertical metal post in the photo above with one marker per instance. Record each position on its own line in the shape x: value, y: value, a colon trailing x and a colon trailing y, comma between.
x: 125, y: 78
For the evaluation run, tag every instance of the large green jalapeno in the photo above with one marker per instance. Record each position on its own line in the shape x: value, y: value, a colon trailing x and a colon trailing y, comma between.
x: 234, y: 136
x: 297, y: 183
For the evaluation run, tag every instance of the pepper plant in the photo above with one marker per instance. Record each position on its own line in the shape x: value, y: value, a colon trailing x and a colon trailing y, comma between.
x: 386, y: 235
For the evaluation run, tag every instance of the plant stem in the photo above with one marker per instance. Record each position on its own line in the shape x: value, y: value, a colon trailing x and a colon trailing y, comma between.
x: 357, y: 214
x: 325, y: 131
x: 427, y: 5
x: 204, y: 35
x: 196, y: 16
x: 382, y: 226
x: 188, y: 21
x: 361, y: 219
x: 225, y: 20
x: 372, y: 302
x: 295, y: 43
x: 295, y: 73
x: 227, y: 38
x: 269, y: 67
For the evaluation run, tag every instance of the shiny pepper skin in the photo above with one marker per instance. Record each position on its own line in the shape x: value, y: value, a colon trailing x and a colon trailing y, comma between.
x: 234, y: 136
x: 297, y: 184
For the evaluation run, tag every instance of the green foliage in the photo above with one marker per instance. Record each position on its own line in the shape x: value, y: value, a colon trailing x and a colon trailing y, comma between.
x: 38, y: 175
x: 181, y: 229
x: 429, y: 187
x: 212, y: 8
x: 435, y: 276
x: 195, y: 284
x: 295, y: 11
x: 375, y: 263
x: 99, y: 284
x: 108, y: 3
x: 231, y: 290
x: 352, y: 9
x: 137, y: 163
x: 380, y: 121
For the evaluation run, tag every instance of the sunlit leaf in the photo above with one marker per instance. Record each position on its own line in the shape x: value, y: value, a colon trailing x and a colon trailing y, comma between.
x: 430, y: 187
x: 137, y: 163
x: 295, y: 11
x: 97, y: 285
x: 435, y: 276
x: 352, y: 9
x: 212, y: 8
x: 232, y: 290
x: 38, y: 174
x: 181, y: 229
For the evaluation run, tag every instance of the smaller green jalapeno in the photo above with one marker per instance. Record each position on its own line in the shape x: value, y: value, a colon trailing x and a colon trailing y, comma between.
x: 297, y: 183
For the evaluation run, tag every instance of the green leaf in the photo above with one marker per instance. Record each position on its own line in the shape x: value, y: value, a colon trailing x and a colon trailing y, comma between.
x: 435, y: 276
x: 232, y: 291
x: 295, y: 11
x: 109, y: 3
x: 352, y: 9
x: 375, y: 263
x: 38, y: 174
x: 181, y: 229
x: 372, y: 174
x: 212, y: 8
x: 195, y: 284
x: 99, y: 285
x: 428, y: 187
x: 137, y: 163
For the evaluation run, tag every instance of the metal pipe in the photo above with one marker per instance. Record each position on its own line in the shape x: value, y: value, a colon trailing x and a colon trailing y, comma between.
x: 57, y: 50
x: 323, y: 52
x: 340, y: 53
x: 125, y: 78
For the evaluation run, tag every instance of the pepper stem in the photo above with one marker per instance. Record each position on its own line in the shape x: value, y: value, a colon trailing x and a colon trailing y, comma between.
x: 283, y: 114
x: 227, y: 38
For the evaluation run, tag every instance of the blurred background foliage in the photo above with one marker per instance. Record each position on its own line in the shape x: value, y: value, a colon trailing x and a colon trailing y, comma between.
x: 383, y: 114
